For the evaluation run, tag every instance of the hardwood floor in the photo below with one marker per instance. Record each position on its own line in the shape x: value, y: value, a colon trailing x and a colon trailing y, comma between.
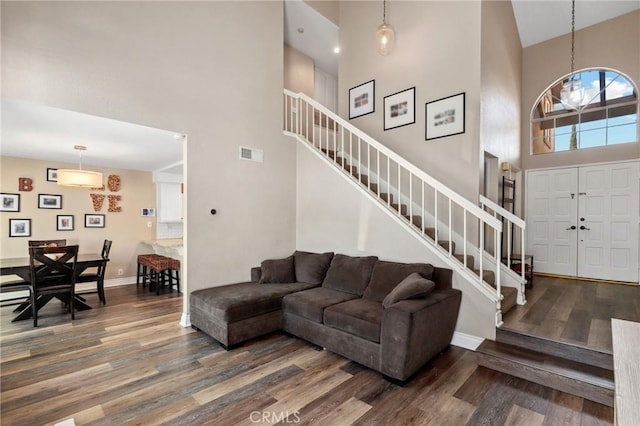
x: 131, y: 363
x: 574, y: 311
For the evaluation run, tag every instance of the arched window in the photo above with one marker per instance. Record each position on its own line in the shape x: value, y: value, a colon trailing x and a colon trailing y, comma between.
x: 608, y: 114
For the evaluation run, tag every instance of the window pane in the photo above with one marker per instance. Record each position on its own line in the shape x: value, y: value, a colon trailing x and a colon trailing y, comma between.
x: 591, y: 138
x: 617, y: 86
x: 622, y: 129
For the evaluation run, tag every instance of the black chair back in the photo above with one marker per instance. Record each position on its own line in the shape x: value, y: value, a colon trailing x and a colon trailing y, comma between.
x: 47, y: 243
x: 106, y: 248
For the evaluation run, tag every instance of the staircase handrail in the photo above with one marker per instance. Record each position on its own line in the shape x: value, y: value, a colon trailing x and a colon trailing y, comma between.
x: 441, y: 188
x: 503, y: 212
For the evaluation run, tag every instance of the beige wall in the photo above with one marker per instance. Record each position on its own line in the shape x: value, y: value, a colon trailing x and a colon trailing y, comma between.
x: 501, y: 72
x: 127, y: 229
x: 328, y: 8
x: 611, y: 44
x: 210, y: 70
x: 298, y: 71
x: 437, y: 51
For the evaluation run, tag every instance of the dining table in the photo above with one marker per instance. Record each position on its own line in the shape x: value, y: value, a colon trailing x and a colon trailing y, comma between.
x: 20, y: 266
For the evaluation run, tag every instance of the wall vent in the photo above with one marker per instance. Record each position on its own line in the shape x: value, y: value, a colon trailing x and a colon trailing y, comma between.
x: 251, y: 154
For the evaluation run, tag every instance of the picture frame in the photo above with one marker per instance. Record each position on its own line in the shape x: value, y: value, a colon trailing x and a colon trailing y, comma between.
x: 362, y: 100
x: 93, y: 220
x: 9, y: 202
x: 148, y: 211
x: 64, y: 222
x: 399, y: 109
x: 52, y: 175
x: 445, y: 117
x: 49, y: 201
x: 19, y: 227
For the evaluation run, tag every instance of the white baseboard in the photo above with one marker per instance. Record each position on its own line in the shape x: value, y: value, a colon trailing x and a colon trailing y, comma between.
x: 466, y: 341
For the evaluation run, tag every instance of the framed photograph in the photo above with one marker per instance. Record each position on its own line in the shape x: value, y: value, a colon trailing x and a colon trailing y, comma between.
x: 362, y: 99
x: 148, y: 211
x: 444, y: 117
x: 65, y: 222
x: 49, y: 201
x: 52, y: 175
x: 19, y: 227
x: 9, y: 202
x: 94, y: 221
x: 400, y: 109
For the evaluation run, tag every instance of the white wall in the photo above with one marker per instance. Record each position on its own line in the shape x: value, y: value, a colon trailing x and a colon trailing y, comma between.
x: 334, y: 216
x: 211, y: 70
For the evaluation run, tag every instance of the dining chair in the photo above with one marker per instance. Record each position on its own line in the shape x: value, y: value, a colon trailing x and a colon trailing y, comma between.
x: 53, y: 273
x: 47, y: 243
x: 97, y: 275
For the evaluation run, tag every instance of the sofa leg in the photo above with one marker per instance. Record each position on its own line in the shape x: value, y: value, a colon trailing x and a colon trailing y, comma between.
x: 395, y: 381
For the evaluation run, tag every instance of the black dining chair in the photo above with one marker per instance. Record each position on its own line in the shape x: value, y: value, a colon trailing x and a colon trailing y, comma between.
x: 97, y: 275
x: 47, y: 243
x: 53, y: 273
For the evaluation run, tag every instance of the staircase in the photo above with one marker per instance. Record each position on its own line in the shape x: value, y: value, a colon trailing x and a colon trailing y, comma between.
x: 451, y: 226
x: 576, y: 370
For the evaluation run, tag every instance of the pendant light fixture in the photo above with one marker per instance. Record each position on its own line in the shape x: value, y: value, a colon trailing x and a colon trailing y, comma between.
x: 77, y: 177
x: 572, y: 92
x: 385, y: 36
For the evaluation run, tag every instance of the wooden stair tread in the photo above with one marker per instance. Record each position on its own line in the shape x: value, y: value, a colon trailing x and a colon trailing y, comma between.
x: 568, y: 350
x: 583, y: 380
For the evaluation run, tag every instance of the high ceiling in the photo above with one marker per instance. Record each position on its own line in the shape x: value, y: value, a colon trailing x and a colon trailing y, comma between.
x: 36, y: 131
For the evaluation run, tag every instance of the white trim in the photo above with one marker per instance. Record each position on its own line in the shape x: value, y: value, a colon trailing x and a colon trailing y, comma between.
x: 185, y: 320
x: 466, y: 341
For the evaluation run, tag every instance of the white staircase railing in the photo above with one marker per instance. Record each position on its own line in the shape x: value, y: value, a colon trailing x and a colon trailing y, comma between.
x: 514, y: 225
x: 448, y: 213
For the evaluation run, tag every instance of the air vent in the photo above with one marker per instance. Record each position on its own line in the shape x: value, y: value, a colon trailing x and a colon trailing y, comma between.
x: 251, y: 154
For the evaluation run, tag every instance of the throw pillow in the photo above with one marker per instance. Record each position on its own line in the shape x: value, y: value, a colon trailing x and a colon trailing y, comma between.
x: 412, y: 287
x: 311, y: 267
x: 387, y: 275
x: 349, y: 274
x: 276, y: 271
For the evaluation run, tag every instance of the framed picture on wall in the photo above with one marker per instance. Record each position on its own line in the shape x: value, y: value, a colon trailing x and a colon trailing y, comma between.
x: 362, y: 99
x: 19, y: 227
x: 400, y: 109
x: 444, y: 117
x: 94, y: 221
x: 64, y: 222
x: 52, y: 175
x: 9, y: 202
x: 49, y: 201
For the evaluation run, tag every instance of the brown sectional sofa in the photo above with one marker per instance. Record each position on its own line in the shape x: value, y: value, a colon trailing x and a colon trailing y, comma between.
x: 391, y: 317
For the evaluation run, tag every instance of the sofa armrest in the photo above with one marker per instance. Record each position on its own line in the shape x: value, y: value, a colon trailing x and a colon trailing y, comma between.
x: 256, y: 274
x: 414, y: 331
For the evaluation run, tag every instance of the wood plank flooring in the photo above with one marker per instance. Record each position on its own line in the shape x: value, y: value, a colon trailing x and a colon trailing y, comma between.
x: 574, y: 311
x: 130, y: 363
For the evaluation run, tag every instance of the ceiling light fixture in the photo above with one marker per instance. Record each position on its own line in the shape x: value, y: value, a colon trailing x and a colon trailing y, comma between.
x: 336, y: 49
x: 385, y: 36
x: 572, y: 92
x: 77, y: 177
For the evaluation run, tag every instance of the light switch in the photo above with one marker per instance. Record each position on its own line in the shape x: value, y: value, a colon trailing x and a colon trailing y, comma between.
x: 150, y: 224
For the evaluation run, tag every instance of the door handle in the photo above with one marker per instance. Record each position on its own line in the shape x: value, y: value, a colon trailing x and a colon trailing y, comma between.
x: 583, y: 228
x: 571, y: 228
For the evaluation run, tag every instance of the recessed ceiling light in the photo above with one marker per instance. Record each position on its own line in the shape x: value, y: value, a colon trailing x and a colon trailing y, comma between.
x: 300, y: 30
x: 336, y: 49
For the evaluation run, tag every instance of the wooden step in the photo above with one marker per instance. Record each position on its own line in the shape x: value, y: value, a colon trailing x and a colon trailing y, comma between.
x: 576, y: 378
x: 564, y: 350
x: 364, y: 179
x: 470, y: 260
x: 430, y: 232
x: 331, y: 152
x: 445, y: 245
x: 386, y: 196
x: 403, y: 208
x: 488, y: 276
x: 415, y: 220
x: 509, y: 298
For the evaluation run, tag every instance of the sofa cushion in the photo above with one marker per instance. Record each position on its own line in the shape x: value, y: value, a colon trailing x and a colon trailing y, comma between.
x: 278, y: 271
x: 387, y: 275
x: 360, y: 317
x: 236, y: 302
x: 412, y: 287
x: 311, y: 267
x: 349, y: 274
x: 311, y: 303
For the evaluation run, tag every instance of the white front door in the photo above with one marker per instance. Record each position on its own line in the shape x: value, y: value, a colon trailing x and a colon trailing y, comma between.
x: 552, y: 206
x: 608, y: 222
x: 585, y: 221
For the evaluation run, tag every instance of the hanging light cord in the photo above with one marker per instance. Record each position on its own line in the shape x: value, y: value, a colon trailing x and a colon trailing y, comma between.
x: 573, y: 33
x: 384, y: 11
